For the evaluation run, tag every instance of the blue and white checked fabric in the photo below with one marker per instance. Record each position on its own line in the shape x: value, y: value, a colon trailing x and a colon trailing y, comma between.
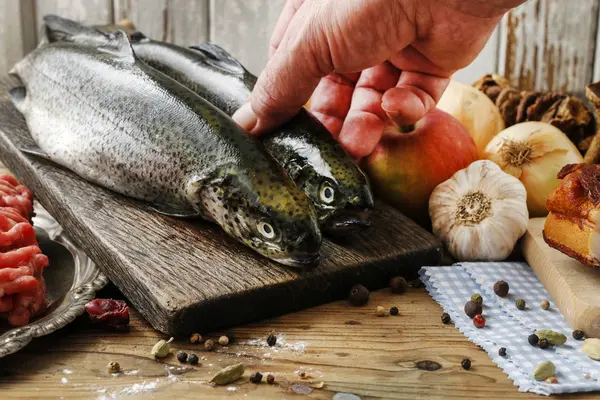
x: 506, y: 326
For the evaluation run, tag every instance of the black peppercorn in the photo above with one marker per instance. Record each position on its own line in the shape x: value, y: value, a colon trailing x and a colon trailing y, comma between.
x: 270, y: 379
x: 533, y: 339
x: 578, y: 335
x: 394, y: 310
x: 271, y: 340
x: 445, y: 318
x: 472, y: 308
x: 398, y: 285
x: 501, y: 288
x: 544, y: 343
x: 502, y: 352
x: 193, y: 359
x: 359, y: 295
x: 256, y: 377
x: 182, y: 356
x: 466, y: 364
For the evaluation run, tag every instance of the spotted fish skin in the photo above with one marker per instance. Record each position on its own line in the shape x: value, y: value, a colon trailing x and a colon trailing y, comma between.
x: 119, y: 123
x: 339, y: 190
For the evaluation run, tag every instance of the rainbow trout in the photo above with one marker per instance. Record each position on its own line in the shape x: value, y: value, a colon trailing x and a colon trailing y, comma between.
x: 119, y: 123
x: 304, y: 148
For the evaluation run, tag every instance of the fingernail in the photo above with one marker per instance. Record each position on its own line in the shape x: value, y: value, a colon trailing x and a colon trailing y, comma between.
x: 245, y: 117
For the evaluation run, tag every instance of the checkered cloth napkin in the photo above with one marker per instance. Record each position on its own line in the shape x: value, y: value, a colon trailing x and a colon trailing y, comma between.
x: 509, y: 327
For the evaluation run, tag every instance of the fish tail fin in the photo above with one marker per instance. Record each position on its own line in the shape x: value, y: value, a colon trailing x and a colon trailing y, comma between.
x: 138, y: 37
x: 18, y: 96
x: 220, y: 58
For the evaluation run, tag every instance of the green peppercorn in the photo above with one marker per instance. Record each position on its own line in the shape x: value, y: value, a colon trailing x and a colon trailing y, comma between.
x: 520, y: 303
x: 544, y: 343
x: 193, y: 359
x: 271, y: 340
x: 545, y: 305
x: 477, y: 298
x: 398, y: 285
x: 182, y: 356
x: 256, y: 377
x: 578, y: 335
x: 501, y: 288
x: 466, y: 364
x: 533, y: 339
x: 359, y: 295
x: 445, y: 318
x: 394, y: 310
x: 502, y: 352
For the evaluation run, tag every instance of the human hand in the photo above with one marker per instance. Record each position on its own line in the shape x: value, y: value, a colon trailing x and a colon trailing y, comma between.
x: 366, y: 61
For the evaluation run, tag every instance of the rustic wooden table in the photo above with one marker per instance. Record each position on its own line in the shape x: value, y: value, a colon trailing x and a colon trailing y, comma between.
x: 339, y: 348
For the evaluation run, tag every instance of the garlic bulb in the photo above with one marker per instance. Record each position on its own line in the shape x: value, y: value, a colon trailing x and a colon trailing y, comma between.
x: 533, y: 152
x: 479, y: 213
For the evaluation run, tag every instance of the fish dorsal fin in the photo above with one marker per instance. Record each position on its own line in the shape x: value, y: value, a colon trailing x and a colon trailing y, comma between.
x: 220, y: 58
x: 119, y: 46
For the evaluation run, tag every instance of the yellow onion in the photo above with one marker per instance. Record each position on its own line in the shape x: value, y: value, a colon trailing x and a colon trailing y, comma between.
x: 533, y: 152
x: 478, y: 114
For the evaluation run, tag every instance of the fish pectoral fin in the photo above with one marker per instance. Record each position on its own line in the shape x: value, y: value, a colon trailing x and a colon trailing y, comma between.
x: 35, y: 151
x: 119, y: 46
x: 220, y: 58
x: 173, y: 211
x: 18, y: 96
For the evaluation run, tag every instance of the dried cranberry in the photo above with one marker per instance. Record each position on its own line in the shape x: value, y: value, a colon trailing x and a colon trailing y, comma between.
x: 108, y: 312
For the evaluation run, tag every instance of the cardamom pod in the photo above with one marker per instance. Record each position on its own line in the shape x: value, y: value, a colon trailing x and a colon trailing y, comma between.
x: 228, y: 374
x: 545, y: 370
x: 591, y: 348
x: 554, y: 338
x: 161, y: 348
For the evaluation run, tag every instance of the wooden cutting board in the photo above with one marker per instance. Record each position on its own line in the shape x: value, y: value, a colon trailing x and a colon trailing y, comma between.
x: 574, y: 287
x: 189, y: 276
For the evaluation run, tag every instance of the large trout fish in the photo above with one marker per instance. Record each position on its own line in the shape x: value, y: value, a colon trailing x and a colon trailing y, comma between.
x: 338, y: 189
x: 115, y: 121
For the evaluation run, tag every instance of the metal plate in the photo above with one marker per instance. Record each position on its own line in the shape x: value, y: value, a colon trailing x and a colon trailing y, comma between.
x: 72, y: 280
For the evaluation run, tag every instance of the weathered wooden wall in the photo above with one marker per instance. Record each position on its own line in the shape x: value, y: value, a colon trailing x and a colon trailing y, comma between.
x: 544, y: 44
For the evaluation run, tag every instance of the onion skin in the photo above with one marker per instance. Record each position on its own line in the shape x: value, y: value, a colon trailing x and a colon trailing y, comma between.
x: 474, y: 110
x: 551, y: 150
x: 404, y: 168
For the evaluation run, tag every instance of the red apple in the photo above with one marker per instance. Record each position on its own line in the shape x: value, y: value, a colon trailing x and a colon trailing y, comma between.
x: 410, y: 162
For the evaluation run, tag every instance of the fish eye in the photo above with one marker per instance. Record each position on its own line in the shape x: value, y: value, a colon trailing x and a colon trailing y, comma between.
x: 266, y: 229
x: 327, y: 193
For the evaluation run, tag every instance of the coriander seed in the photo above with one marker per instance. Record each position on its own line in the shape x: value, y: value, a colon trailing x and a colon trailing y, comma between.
x: 501, y: 288
x: 380, y: 311
x: 270, y: 379
x: 209, y: 344
x: 256, y: 377
x: 502, y: 352
x: 114, y: 367
x: 477, y: 298
x: 394, y: 310
x: 544, y: 343
x: 445, y: 318
x: 520, y: 303
x: 545, y: 305
x: 359, y: 295
x: 578, y: 335
x: 271, y: 340
x: 223, y: 340
x: 533, y: 339
x: 466, y: 364
x: 193, y: 359
x: 398, y: 285
x: 182, y: 356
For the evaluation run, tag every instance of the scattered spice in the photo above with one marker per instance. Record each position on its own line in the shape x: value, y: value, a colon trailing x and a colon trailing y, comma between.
x: 398, y: 285
x: 544, y: 370
x: 477, y: 298
x: 270, y: 379
x: 223, y: 340
x: 502, y: 352
x: 520, y: 303
x: 466, y: 364
x: 479, y: 321
x: 445, y: 318
x: 161, y: 348
x: 533, y: 339
x: 501, y: 288
x: 193, y: 359
x: 544, y: 343
x: 578, y: 335
x: 209, y: 344
x: 228, y: 374
x: 552, y: 379
x: 195, y: 338
x: 182, y: 356
x: 302, y: 374
x: 473, y: 308
x: 545, y: 305
x: 359, y: 295
x: 114, y: 367
x: 271, y: 340
x: 394, y: 310
x: 554, y: 338
x: 380, y: 311
x: 108, y: 312
x: 256, y: 377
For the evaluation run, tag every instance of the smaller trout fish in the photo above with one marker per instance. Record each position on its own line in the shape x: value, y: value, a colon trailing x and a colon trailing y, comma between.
x: 303, y: 147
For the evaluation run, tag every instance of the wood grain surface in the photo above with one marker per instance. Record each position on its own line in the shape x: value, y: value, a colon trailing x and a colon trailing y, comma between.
x: 572, y: 285
x: 185, y: 276
x: 348, y: 349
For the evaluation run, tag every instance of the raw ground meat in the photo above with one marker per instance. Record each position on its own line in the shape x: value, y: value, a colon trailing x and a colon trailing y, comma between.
x: 22, y: 288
